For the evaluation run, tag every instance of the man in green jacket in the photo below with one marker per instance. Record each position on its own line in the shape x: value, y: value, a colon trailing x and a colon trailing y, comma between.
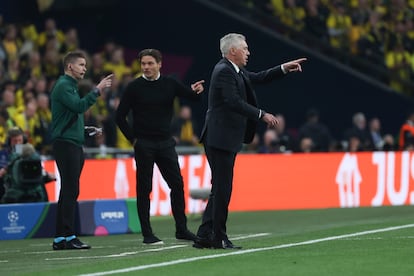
x: 68, y: 132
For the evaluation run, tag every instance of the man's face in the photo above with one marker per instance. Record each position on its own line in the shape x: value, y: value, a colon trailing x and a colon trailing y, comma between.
x: 150, y: 67
x: 241, y: 54
x: 77, y: 69
x: 16, y: 140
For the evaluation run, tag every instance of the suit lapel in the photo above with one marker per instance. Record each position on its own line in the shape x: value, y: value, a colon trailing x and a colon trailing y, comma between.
x: 242, y: 85
x: 250, y: 94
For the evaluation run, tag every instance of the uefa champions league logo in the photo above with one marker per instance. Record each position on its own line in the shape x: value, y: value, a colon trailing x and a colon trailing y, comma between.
x: 11, y: 225
x: 13, y: 216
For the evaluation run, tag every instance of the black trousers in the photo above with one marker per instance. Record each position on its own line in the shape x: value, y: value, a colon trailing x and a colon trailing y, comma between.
x: 70, y: 160
x: 163, y: 154
x: 213, y: 225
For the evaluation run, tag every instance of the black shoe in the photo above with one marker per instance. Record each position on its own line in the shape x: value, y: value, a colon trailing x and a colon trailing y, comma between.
x: 59, y: 245
x: 225, y: 244
x: 152, y: 240
x: 202, y: 242
x: 185, y: 235
x: 76, y: 244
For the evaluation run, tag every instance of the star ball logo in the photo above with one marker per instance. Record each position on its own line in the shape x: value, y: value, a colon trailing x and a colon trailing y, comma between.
x: 13, y: 216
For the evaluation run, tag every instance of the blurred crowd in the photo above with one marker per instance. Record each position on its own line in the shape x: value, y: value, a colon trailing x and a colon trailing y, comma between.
x: 378, y: 31
x: 363, y: 134
x: 30, y: 63
x: 314, y: 136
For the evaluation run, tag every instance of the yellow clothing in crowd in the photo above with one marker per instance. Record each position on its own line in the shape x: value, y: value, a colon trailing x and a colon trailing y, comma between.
x: 43, y: 38
x: 119, y: 70
x: 339, y: 27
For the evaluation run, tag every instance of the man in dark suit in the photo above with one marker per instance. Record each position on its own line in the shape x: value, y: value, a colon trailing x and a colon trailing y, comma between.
x: 231, y: 120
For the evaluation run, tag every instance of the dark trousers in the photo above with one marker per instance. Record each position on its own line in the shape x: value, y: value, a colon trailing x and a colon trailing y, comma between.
x: 69, y: 159
x: 215, y: 215
x: 2, y: 188
x: 164, y: 155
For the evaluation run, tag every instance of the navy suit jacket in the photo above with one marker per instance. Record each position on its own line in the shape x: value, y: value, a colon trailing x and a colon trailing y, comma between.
x: 232, y: 113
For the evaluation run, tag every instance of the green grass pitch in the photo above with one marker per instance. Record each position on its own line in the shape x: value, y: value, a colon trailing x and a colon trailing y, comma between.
x: 351, y: 241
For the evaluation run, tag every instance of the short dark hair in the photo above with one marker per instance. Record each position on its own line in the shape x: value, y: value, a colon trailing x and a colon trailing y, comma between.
x: 71, y: 57
x: 150, y: 52
x: 14, y: 132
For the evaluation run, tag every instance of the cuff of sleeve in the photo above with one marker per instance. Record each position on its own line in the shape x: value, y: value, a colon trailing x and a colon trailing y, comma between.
x: 283, y: 69
x: 96, y: 91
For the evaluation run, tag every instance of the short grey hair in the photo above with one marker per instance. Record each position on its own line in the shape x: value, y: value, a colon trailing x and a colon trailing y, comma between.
x: 358, y: 117
x: 229, y: 41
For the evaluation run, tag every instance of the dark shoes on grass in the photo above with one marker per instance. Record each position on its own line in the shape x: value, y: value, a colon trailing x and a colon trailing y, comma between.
x: 72, y: 244
x: 152, y: 240
x: 185, y: 235
x: 202, y: 242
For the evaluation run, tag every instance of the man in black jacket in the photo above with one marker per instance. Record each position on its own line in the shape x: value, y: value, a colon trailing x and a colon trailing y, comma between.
x: 231, y: 120
x: 151, y: 99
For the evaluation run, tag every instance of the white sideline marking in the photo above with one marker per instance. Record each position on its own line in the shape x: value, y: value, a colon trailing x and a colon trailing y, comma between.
x: 39, y: 252
x: 54, y: 251
x: 123, y: 254
x: 9, y: 251
x: 240, y: 252
x: 4, y: 261
x: 40, y: 244
x: 163, y: 248
x: 250, y: 236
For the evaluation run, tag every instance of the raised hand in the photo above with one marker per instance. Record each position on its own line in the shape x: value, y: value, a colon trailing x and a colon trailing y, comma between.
x: 105, y: 82
x: 198, y: 86
x: 294, y: 65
